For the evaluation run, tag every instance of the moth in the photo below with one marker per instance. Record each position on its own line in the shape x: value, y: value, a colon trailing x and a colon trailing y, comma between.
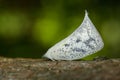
x: 85, y: 40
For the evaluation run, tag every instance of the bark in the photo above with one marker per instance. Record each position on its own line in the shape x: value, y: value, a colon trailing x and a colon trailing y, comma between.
x: 39, y: 69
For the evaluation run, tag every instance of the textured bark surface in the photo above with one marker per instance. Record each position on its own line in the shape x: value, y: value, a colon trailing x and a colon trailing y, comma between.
x: 38, y: 69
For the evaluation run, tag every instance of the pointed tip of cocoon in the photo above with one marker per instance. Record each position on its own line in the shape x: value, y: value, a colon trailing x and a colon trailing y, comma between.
x: 86, y: 13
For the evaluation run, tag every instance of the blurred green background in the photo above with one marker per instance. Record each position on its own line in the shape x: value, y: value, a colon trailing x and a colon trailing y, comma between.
x: 29, y: 27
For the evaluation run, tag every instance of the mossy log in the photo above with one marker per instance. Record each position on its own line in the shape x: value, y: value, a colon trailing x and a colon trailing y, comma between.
x: 40, y: 69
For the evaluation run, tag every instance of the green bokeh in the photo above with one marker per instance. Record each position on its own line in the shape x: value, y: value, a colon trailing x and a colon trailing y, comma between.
x: 29, y: 28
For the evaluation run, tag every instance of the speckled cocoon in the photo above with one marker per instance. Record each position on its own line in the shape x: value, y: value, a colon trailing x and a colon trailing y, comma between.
x: 85, y: 40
